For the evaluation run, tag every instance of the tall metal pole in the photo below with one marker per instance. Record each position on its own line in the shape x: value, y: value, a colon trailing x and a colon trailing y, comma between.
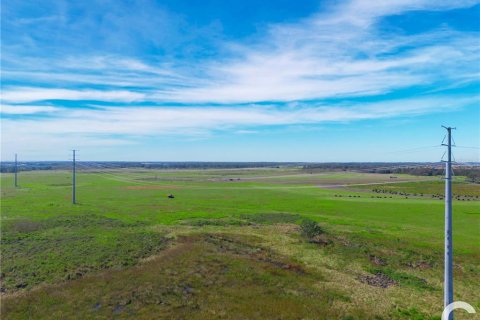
x: 448, y: 277
x: 16, y: 170
x: 73, y: 179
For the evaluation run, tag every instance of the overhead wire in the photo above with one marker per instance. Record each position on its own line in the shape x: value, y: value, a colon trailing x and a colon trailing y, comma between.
x: 467, y: 147
x: 106, y: 174
x: 413, y: 149
x: 95, y: 164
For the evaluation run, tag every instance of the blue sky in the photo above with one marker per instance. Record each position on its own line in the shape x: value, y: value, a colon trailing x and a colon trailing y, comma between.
x: 225, y: 80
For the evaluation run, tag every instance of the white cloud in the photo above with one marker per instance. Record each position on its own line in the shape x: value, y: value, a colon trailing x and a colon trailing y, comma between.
x: 29, y: 94
x: 336, y: 53
x: 20, y: 109
x: 97, y: 125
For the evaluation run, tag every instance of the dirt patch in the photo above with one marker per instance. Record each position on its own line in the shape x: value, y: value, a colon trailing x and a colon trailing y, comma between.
x: 422, y: 265
x: 150, y: 187
x: 321, y: 239
x: 377, y: 260
x: 378, y: 280
x: 287, y: 228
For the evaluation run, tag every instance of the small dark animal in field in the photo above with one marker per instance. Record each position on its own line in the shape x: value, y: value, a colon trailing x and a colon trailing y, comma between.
x: 171, y: 196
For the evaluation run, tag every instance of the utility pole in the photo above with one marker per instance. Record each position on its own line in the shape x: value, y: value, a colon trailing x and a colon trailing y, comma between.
x: 73, y: 179
x: 448, y: 277
x: 16, y: 170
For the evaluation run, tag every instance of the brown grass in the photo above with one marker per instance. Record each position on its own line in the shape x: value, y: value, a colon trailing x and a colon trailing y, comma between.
x: 208, y: 276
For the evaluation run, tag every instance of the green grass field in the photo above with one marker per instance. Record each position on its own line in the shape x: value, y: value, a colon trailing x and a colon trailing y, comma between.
x: 229, y: 245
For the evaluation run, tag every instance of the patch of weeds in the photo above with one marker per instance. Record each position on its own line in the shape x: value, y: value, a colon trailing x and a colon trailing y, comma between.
x: 421, y: 264
x: 25, y: 226
x: 196, y: 279
x: 310, y: 229
x: 246, y: 248
x: 412, y: 314
x: 418, y: 260
x: 88, y: 220
x: 64, y: 222
x: 271, y: 218
x: 337, y: 296
x: 215, y: 222
x: 69, y: 247
x: 402, y: 278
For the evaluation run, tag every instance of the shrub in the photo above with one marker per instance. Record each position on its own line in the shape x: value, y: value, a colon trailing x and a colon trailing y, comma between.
x: 310, y: 228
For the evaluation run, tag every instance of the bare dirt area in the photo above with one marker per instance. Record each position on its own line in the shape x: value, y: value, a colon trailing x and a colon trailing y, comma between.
x: 378, y: 280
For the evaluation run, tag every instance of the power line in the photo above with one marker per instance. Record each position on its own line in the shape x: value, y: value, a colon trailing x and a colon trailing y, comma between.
x: 93, y: 169
x: 403, y: 166
x: 97, y: 165
x: 413, y: 149
x: 465, y: 147
x: 112, y: 176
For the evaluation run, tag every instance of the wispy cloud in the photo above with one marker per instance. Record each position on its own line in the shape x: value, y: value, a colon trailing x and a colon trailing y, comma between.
x: 114, y: 126
x: 287, y: 74
x: 29, y: 94
x: 27, y: 110
x: 149, y: 121
x: 341, y: 53
x: 337, y: 53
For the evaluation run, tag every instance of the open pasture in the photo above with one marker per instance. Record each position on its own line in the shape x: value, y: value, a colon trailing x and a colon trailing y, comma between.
x: 229, y: 245
x: 462, y: 189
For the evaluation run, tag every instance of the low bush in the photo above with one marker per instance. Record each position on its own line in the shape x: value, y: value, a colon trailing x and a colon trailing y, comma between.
x: 310, y: 228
